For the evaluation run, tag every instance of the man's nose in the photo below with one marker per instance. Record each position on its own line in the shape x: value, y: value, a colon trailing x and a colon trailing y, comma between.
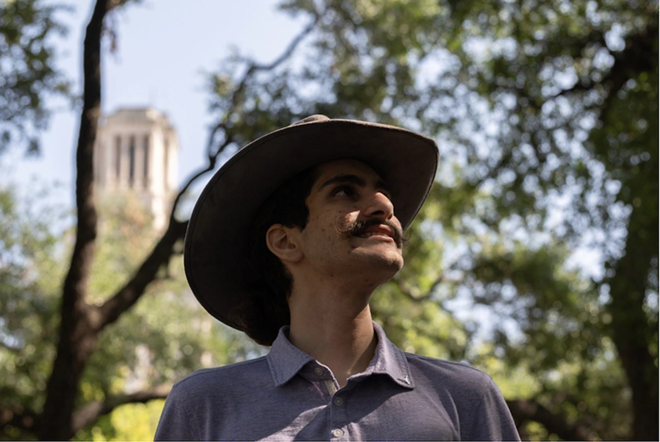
x: 379, y: 205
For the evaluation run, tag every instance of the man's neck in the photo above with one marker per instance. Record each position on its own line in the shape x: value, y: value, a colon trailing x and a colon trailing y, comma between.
x: 335, y: 328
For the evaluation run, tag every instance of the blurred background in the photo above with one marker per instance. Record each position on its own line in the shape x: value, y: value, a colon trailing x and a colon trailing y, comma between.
x: 535, y: 258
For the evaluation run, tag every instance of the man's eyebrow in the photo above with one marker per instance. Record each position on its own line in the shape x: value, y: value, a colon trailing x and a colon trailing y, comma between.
x: 353, y: 179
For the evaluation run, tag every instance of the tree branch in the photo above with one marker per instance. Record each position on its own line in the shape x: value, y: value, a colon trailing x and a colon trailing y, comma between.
x: 129, y: 294
x: 255, y: 67
x: 92, y: 411
x: 198, y: 174
x: 213, y: 153
x: 530, y: 410
x: 251, y: 70
x: 413, y: 293
x: 637, y: 56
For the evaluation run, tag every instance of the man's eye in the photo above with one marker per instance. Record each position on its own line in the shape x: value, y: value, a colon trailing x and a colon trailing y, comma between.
x: 343, y: 191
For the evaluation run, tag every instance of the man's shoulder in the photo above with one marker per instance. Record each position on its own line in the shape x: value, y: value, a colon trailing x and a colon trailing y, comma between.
x: 458, y: 376
x: 446, y: 367
x: 225, y: 377
x: 483, y: 412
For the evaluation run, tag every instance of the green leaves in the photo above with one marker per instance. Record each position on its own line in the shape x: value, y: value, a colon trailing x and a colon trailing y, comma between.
x: 28, y: 74
x: 28, y: 301
x: 546, y: 117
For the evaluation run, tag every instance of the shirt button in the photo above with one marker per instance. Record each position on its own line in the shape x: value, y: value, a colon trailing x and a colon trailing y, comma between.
x: 337, y: 432
x: 339, y: 401
x: 318, y: 371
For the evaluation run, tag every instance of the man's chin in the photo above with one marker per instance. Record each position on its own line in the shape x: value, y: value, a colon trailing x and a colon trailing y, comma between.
x: 386, y: 263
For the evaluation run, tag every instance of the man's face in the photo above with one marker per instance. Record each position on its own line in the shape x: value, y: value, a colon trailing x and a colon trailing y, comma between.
x: 352, y: 228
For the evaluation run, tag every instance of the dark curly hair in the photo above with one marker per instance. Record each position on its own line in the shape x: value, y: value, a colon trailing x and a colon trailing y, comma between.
x: 269, y: 310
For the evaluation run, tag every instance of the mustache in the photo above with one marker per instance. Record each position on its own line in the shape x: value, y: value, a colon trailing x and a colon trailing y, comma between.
x: 358, y: 228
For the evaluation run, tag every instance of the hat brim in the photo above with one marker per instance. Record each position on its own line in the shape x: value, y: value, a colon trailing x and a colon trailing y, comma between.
x: 216, y: 253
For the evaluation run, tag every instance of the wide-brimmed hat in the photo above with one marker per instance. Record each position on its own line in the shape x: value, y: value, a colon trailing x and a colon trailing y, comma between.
x: 217, y: 244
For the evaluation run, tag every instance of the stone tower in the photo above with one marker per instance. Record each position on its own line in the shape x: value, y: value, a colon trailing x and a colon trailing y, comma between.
x: 137, y: 152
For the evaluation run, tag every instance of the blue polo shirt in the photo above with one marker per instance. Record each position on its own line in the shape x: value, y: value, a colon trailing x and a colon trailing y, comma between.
x: 288, y: 395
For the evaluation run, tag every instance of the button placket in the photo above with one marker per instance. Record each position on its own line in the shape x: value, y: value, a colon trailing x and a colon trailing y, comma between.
x: 330, y: 386
x: 338, y: 414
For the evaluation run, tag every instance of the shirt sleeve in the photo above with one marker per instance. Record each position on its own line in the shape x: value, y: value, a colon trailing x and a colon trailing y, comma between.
x: 175, y: 422
x: 490, y: 419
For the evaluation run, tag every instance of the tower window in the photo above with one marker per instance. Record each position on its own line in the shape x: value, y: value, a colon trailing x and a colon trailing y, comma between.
x: 99, y: 172
x: 166, y: 160
x: 131, y: 161
x: 118, y: 157
x: 146, y: 161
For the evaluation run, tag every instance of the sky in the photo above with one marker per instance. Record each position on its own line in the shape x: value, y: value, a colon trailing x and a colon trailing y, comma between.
x: 165, y: 47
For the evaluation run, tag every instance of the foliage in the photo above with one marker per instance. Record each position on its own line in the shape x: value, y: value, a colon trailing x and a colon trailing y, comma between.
x: 28, y: 264
x: 28, y: 75
x: 135, y: 422
x: 176, y: 336
x: 175, y: 332
x: 538, y: 160
x: 546, y: 115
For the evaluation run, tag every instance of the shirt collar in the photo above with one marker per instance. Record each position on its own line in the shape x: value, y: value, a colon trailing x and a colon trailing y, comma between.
x: 285, y: 360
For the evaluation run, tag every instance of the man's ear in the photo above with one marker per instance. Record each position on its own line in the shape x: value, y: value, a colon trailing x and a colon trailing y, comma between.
x: 282, y: 243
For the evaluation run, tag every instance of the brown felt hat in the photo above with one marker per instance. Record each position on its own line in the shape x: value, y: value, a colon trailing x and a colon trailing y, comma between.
x: 217, y: 255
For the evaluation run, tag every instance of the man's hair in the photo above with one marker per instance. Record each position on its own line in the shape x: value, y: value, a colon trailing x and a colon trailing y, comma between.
x: 285, y: 206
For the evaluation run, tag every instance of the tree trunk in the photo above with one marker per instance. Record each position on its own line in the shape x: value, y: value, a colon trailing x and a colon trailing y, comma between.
x: 630, y: 324
x: 77, y: 341
x: 77, y: 332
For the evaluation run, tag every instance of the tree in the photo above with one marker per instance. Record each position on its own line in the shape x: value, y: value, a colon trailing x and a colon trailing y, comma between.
x: 27, y: 75
x: 82, y: 322
x: 26, y: 322
x: 537, y: 160
x: 175, y: 335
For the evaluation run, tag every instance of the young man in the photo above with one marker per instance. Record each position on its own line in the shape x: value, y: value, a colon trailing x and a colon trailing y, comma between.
x: 287, y: 243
